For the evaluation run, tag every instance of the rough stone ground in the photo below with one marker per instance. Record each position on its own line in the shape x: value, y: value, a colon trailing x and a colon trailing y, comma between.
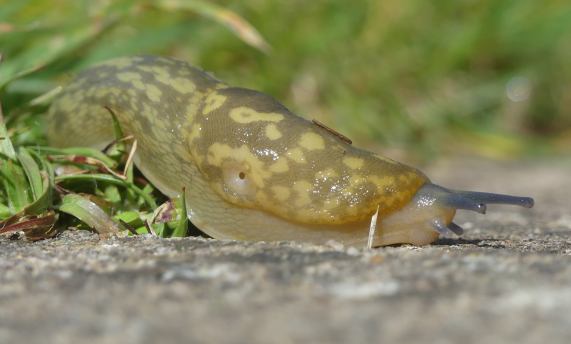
x: 507, y: 280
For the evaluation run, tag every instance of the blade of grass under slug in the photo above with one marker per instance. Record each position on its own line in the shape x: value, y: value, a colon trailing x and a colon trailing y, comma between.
x: 78, y: 151
x: 117, y: 130
x: 181, y: 229
x: 86, y: 161
x: 15, y: 185
x: 89, y: 213
x: 34, y: 227
x: 162, y: 215
x: 105, y: 178
x: 32, y: 171
x: 45, y: 200
x: 4, y: 212
x: 13, y: 179
x: 133, y: 219
x: 6, y: 147
x: 38, y: 207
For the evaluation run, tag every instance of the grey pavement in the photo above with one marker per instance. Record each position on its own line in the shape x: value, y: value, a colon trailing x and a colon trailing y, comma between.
x: 507, y: 280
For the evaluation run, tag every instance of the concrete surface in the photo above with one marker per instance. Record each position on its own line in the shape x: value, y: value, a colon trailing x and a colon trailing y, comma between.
x: 507, y: 280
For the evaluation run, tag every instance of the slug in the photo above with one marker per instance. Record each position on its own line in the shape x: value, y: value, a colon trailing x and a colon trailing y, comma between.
x: 252, y: 169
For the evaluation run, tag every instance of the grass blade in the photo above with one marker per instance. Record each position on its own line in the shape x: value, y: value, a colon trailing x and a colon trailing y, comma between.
x: 181, y: 229
x: 32, y: 171
x: 34, y: 227
x: 238, y: 25
x: 44, y: 52
x: 105, y: 178
x: 89, y: 213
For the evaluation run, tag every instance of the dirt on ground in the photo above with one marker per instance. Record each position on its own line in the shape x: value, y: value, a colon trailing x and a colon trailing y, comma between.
x: 507, y: 280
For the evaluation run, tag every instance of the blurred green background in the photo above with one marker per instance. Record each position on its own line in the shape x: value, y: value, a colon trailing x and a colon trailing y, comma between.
x: 487, y: 77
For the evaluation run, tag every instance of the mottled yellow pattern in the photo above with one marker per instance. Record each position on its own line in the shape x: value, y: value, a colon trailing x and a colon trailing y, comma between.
x: 311, y: 141
x: 252, y: 169
x: 245, y: 115
x: 296, y: 155
x: 353, y: 163
x: 212, y: 102
x: 272, y: 132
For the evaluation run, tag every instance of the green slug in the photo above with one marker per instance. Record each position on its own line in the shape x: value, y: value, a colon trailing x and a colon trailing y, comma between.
x: 252, y: 169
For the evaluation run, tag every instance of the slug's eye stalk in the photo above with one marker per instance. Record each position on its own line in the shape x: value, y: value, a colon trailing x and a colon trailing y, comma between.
x: 431, y: 195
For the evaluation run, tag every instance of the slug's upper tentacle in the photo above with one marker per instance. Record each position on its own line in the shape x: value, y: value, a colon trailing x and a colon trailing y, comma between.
x: 493, y: 198
x: 467, y: 200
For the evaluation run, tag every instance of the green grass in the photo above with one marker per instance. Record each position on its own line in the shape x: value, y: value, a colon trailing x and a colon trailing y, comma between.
x: 42, y: 186
x: 45, y: 189
x: 426, y: 78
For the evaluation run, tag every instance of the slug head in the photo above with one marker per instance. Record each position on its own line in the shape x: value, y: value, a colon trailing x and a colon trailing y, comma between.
x: 431, y: 211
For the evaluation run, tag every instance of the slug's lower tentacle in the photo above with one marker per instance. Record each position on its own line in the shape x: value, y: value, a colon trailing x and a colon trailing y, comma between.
x: 442, y: 228
x: 455, y: 228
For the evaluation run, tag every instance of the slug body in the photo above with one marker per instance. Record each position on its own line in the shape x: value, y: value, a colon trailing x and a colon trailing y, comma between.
x: 252, y: 169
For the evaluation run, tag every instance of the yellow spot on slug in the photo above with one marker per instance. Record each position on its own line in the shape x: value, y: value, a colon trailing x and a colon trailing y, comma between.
x: 279, y: 166
x: 67, y: 103
x: 128, y: 76
x: 194, y: 103
x: 195, y: 132
x: 302, y: 189
x: 403, y: 178
x: 262, y: 197
x: 331, y: 203
x: 132, y: 78
x: 218, y: 153
x: 153, y: 92
x: 382, y: 183
x: 182, y: 85
x: 281, y: 193
x: 353, y: 163
x: 296, y: 155
x: 326, y: 174
x: 247, y: 115
x: 311, y: 141
x: 212, y: 102
x: 272, y: 132
x: 161, y: 74
x: 357, y: 179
